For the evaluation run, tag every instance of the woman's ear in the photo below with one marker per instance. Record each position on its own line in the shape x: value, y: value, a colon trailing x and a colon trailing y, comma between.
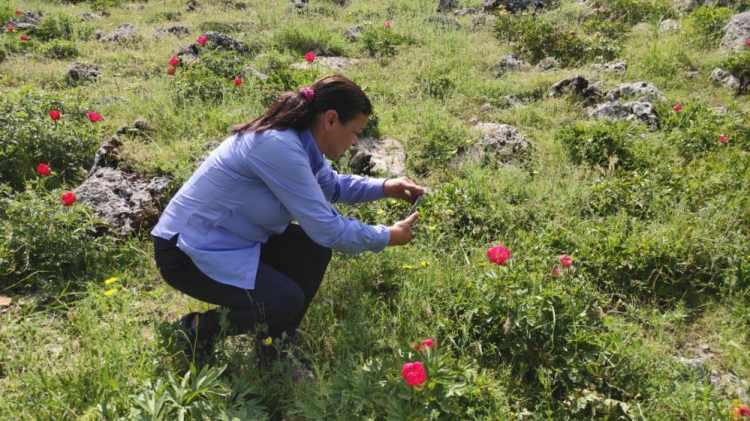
x: 330, y: 118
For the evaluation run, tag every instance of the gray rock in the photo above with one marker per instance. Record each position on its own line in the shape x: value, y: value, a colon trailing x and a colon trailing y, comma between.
x: 468, y: 11
x: 631, y: 111
x: 353, y: 34
x: 192, y: 5
x: 640, y: 90
x: 88, y: 16
x: 736, y: 32
x: 27, y: 21
x: 444, y: 22
x: 515, y: 5
x: 299, y: 4
x: 499, y: 143
x: 685, y: 6
x: 722, y: 77
x: 579, y: 86
x: 482, y: 19
x: 139, y: 126
x: 179, y: 31
x: 378, y: 157
x: 125, y: 201
x: 617, y: 66
x: 446, y: 5
x: 108, y: 155
x: 225, y: 42
x: 509, y: 63
x: 124, y: 33
x: 337, y: 64
x: 79, y: 73
x: 548, y: 63
x: 668, y: 25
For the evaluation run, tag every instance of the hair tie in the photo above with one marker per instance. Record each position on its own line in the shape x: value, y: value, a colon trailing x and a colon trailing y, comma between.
x: 307, y: 93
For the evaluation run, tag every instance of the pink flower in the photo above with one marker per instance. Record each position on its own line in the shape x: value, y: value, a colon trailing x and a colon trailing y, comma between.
x: 237, y: 81
x: 741, y: 411
x: 387, y: 24
x: 677, y: 107
x: 310, y: 56
x: 10, y: 27
x: 202, y: 40
x: 498, y: 255
x: 54, y: 115
x: 24, y: 38
x: 68, y: 198
x: 94, y: 116
x: 723, y: 139
x: 556, y: 271
x: 174, y: 61
x: 425, y: 344
x: 43, y: 169
x: 566, y: 261
x: 414, y: 374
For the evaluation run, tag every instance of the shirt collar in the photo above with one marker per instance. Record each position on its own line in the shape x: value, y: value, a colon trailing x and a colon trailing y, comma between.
x: 311, y: 147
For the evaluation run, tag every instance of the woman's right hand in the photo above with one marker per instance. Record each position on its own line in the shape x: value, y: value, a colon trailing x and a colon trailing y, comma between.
x: 401, y: 231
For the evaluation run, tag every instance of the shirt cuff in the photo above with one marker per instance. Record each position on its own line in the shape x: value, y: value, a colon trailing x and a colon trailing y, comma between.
x: 383, y: 237
x: 375, y: 188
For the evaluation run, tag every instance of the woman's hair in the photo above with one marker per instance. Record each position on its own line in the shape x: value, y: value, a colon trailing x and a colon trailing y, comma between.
x: 293, y: 110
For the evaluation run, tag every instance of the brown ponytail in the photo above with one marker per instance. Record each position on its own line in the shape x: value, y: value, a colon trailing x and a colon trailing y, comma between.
x: 293, y: 110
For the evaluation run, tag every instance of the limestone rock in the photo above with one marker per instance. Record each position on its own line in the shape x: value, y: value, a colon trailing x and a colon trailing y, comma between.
x: 79, y: 73
x: 641, y: 90
x: 446, y: 5
x: 515, y: 5
x: 668, y: 25
x: 722, y: 77
x: 509, y: 63
x: 633, y: 110
x: 617, y: 66
x: 122, y: 34
x: 500, y: 143
x: 579, y: 86
x: 378, y: 157
x: 736, y: 32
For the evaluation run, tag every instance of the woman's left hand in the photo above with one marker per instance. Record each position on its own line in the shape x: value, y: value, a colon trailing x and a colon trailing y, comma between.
x: 402, y: 188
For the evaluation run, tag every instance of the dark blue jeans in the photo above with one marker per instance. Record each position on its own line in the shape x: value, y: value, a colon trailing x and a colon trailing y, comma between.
x: 290, y: 271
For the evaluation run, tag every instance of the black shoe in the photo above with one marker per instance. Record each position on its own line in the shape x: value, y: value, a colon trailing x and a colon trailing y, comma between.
x: 195, y: 345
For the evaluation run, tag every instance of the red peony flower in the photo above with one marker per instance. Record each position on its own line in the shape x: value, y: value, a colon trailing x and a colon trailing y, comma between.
x: 237, y: 81
x: 24, y: 38
x: 566, y: 261
x: 425, y: 344
x: 170, y: 70
x: 10, y: 27
x: 310, y: 56
x: 387, y: 24
x: 723, y: 138
x: 43, y: 169
x: 741, y: 411
x: 174, y: 61
x: 68, y: 198
x: 414, y: 374
x: 54, y: 115
x: 498, y: 255
x: 202, y: 40
x: 94, y: 116
x: 677, y: 107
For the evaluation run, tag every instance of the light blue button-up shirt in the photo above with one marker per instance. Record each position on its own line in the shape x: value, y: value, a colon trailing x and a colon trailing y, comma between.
x: 253, y: 186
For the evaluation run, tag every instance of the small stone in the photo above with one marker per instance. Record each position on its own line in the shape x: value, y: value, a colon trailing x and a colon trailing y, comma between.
x: 722, y: 77
x: 668, y: 25
x: 79, y: 73
x: 378, y: 157
x: 617, y: 66
x: 509, y: 63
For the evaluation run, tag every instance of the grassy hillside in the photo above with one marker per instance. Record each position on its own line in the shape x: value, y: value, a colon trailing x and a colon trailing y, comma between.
x: 651, y: 321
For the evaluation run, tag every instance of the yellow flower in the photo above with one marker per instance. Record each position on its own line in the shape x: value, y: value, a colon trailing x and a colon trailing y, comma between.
x: 424, y: 263
x: 408, y: 267
x: 268, y: 341
x: 110, y: 281
x: 110, y: 292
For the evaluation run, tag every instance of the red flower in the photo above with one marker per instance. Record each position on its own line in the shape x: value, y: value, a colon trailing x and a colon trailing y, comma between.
x: 10, y: 27
x: 310, y: 56
x: 566, y: 261
x: 723, y: 138
x: 742, y: 411
x: 425, y: 344
x: 237, y: 81
x: 677, y: 107
x: 54, y: 115
x: 174, y: 61
x: 18, y: 12
x: 24, y: 38
x: 68, y: 198
x: 43, y: 169
x: 94, y: 116
x: 202, y: 40
x: 747, y: 42
x: 498, y: 255
x: 387, y: 24
x: 414, y: 374
x: 170, y: 70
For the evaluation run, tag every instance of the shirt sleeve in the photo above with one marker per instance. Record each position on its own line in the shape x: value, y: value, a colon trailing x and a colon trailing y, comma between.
x: 349, y: 188
x: 286, y: 170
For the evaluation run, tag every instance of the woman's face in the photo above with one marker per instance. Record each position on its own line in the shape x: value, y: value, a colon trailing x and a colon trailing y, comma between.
x: 336, y: 138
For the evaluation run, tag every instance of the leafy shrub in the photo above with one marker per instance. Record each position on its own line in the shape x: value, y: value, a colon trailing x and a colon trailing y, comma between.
x: 535, y: 38
x: 634, y: 11
x: 282, y: 77
x: 641, y: 193
x: 168, y: 16
x: 739, y: 66
x: 437, y: 84
x: 59, y: 49
x: 599, y: 143
x: 706, y: 25
x: 28, y: 136
x: 198, y: 82
x: 382, y: 42
x: 309, y: 38
x: 42, y: 242
x: 226, y: 64
x: 439, y: 139
x: 696, y: 129
x: 224, y: 27
x: 56, y: 26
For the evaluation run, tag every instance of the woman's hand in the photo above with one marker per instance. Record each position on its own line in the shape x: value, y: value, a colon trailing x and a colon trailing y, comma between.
x: 402, y: 188
x: 400, y: 232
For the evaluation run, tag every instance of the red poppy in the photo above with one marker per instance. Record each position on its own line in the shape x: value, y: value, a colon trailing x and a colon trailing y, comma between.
x: 498, y: 255
x: 43, y: 169
x: 723, y: 139
x: 68, y: 198
x: 566, y: 261
x: 94, y: 116
x: 677, y: 107
x: 310, y: 57
x: 24, y: 38
x: 54, y: 115
x: 174, y: 61
x: 202, y: 40
x: 237, y: 81
x: 414, y: 374
x: 428, y: 343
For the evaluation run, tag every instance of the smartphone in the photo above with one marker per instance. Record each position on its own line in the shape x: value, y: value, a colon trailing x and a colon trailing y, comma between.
x: 413, y: 207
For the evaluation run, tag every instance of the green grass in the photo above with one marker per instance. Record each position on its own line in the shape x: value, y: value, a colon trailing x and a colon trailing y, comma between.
x: 661, y: 245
